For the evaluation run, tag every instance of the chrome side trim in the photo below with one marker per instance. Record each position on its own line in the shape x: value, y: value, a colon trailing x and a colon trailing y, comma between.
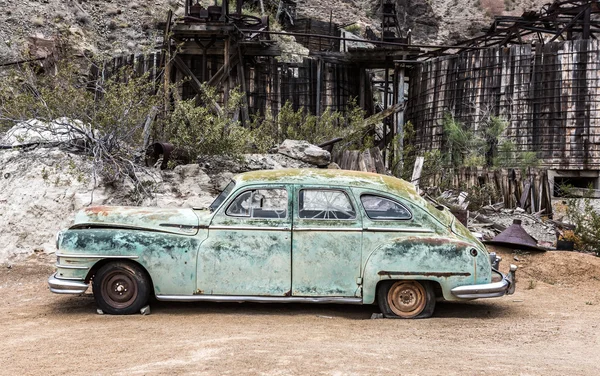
x: 84, y: 256
x: 62, y: 286
x: 252, y: 228
x: 488, y: 290
x: 71, y: 278
x: 71, y: 266
x: 257, y: 299
x: 336, y: 229
x: 398, y: 229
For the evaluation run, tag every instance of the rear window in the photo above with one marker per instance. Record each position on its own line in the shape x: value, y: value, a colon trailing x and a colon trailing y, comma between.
x: 382, y: 208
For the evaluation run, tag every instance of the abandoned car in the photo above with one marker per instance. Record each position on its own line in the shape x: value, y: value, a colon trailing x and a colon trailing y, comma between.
x: 319, y: 236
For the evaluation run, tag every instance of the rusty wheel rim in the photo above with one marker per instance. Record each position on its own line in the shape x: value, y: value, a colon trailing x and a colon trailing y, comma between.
x: 119, y: 289
x: 407, y: 299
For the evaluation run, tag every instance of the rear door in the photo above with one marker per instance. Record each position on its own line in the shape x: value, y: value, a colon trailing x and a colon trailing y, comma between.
x: 326, y: 245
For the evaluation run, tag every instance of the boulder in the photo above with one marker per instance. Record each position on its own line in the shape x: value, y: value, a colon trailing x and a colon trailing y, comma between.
x: 305, y: 152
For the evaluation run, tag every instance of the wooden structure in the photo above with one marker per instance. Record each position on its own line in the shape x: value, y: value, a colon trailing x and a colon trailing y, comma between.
x: 547, y: 94
x: 225, y: 49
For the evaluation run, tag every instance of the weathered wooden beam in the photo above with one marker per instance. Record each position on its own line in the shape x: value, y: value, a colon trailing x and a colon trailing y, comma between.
x: 192, y: 49
x: 194, y: 82
x: 242, y: 81
x: 378, y: 117
x: 223, y: 72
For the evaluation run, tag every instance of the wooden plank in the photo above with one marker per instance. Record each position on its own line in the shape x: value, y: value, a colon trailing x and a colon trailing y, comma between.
x: 378, y: 160
x: 417, y: 169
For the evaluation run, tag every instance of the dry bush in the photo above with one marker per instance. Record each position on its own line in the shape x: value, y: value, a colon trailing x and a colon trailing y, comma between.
x: 102, y: 119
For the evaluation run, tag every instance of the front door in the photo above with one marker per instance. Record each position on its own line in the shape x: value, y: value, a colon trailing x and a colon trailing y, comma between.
x: 326, y: 246
x: 248, y: 250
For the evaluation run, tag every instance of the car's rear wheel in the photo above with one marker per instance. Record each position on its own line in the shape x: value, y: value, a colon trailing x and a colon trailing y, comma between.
x: 121, y: 288
x: 406, y: 299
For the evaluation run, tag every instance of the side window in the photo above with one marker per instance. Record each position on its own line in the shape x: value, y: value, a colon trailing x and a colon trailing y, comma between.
x: 325, y: 204
x: 260, y: 203
x: 382, y: 208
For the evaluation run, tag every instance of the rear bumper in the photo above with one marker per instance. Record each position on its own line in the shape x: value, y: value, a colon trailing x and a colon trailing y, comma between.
x: 64, y: 286
x: 488, y: 290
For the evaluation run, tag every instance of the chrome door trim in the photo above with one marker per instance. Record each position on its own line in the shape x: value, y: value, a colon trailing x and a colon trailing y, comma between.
x: 398, y: 229
x: 337, y: 229
x: 252, y: 228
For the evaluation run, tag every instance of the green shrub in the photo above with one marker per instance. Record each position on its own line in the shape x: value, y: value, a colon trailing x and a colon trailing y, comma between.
x: 301, y: 125
x: 587, y: 221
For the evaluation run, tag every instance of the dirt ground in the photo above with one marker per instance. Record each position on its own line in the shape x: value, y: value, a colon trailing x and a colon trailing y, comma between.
x: 548, y: 327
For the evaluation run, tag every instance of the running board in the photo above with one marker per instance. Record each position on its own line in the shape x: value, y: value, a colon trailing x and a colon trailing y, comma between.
x: 257, y: 299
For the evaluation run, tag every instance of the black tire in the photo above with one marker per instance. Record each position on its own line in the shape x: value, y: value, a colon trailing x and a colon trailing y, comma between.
x: 121, y: 288
x: 406, y: 299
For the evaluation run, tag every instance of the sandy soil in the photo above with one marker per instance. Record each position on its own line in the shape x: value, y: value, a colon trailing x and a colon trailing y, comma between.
x: 548, y: 327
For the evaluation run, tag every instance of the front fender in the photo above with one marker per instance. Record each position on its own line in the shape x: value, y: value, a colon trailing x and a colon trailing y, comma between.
x: 169, y: 259
x: 445, y: 260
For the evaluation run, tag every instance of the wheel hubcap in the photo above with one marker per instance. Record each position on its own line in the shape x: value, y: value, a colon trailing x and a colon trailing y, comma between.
x: 407, y: 299
x: 119, y: 289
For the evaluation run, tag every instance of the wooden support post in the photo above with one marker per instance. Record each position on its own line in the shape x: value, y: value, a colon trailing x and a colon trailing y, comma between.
x: 400, y: 116
x: 226, y: 69
x: 242, y: 81
x: 361, y: 90
x: 393, y: 151
x: 385, y: 106
x: 586, y: 22
x: 318, y: 95
x: 167, y: 81
x: 224, y: 10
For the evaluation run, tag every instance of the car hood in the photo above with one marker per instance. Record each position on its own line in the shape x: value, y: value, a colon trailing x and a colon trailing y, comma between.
x: 178, y: 221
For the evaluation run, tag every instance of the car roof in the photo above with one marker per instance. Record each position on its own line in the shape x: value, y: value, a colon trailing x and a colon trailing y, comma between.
x: 333, y: 177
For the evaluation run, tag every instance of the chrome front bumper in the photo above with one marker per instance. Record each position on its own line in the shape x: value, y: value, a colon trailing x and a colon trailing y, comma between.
x: 488, y: 290
x: 63, y: 286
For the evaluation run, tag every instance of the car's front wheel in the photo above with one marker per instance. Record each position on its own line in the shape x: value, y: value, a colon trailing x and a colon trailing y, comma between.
x: 121, y: 288
x: 406, y: 299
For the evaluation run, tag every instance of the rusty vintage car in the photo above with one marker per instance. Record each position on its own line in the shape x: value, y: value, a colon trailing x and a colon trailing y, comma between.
x: 317, y: 236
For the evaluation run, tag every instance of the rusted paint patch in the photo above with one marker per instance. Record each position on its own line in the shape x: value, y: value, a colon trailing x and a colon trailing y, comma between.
x: 426, y: 274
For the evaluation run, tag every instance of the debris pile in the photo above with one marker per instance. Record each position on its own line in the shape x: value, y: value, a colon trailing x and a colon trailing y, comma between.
x: 492, y: 219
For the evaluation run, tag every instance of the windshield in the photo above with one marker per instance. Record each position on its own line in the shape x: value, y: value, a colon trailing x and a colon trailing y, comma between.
x: 222, y: 196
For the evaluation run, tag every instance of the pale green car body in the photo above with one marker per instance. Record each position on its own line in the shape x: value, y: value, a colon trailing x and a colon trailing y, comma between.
x: 194, y: 254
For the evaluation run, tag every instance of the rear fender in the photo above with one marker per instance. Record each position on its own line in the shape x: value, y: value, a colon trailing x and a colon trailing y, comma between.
x: 447, y: 261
